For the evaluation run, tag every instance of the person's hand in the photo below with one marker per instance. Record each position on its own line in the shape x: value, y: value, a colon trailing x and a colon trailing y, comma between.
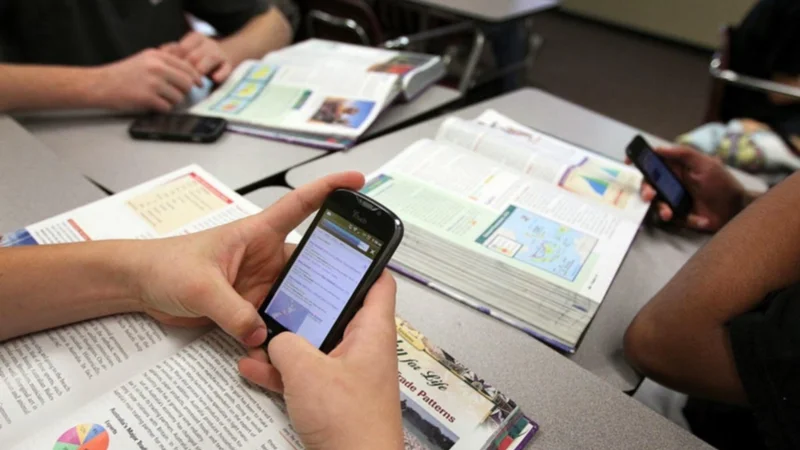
x: 717, y: 195
x: 149, y: 80
x: 223, y: 274
x: 349, y: 399
x: 204, y: 54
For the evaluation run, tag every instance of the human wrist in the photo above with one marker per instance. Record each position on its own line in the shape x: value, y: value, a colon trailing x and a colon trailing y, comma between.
x: 235, y: 50
x: 124, y: 266
x: 268, y: 32
x: 92, y: 90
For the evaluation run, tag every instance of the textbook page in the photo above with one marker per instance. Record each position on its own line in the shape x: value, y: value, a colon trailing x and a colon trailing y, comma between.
x: 181, y: 202
x: 416, y: 70
x: 310, y: 99
x: 538, y: 252
x: 44, y: 376
x: 196, y: 399
x: 193, y: 399
x: 552, y: 160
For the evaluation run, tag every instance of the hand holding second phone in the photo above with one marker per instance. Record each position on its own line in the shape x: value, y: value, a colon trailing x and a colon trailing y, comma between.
x: 149, y: 80
x: 717, y: 195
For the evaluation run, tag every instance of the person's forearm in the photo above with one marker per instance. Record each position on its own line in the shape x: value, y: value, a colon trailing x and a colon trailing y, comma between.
x: 680, y: 338
x: 47, y: 286
x: 748, y: 198
x: 261, y: 35
x: 29, y: 87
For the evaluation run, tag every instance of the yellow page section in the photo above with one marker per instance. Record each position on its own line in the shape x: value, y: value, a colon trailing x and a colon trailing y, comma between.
x: 178, y: 203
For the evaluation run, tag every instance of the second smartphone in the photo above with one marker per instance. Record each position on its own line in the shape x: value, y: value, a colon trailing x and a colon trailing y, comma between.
x: 178, y: 127
x: 327, y: 278
x: 658, y: 174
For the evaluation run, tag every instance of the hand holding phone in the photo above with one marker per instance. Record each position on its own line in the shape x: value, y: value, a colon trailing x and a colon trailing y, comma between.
x: 363, y: 368
x: 324, y: 284
x: 659, y: 175
x: 717, y: 196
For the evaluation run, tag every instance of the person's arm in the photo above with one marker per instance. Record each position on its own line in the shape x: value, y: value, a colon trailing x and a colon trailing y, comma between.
x: 218, y: 274
x: 43, y: 287
x: 681, y: 338
x: 44, y: 87
x: 151, y: 79
x: 262, y: 34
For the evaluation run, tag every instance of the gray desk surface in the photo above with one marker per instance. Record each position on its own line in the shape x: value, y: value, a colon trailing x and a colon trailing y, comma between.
x: 433, y: 98
x: 654, y: 257
x: 489, y: 10
x: 100, y: 148
x: 34, y: 183
x: 573, y: 408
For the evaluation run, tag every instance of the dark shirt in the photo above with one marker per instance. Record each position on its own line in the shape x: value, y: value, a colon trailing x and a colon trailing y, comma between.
x: 766, y: 347
x: 766, y: 44
x: 93, y: 32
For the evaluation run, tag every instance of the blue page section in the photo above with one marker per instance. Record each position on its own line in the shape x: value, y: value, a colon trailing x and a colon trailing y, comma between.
x: 540, y: 242
x: 320, y: 283
x: 17, y: 238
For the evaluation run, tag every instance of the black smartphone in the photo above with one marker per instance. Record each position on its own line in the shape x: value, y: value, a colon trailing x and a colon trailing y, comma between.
x: 658, y: 174
x: 327, y: 278
x: 178, y: 127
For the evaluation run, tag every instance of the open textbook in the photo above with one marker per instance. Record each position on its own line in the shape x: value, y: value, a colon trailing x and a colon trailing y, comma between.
x: 513, y: 222
x: 319, y: 93
x: 129, y: 382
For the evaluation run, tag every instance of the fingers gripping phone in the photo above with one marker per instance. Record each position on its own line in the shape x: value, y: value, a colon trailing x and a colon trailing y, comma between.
x: 178, y: 127
x: 658, y: 174
x: 327, y: 278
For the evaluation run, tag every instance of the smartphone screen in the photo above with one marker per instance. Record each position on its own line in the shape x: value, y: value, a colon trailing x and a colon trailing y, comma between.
x: 661, y: 176
x: 323, y: 278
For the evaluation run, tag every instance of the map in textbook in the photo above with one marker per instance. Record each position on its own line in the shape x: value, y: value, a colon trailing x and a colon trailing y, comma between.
x: 86, y: 436
x: 539, y: 242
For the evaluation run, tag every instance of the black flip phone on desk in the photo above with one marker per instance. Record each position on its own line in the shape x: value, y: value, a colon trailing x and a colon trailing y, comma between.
x: 327, y: 278
x: 658, y: 174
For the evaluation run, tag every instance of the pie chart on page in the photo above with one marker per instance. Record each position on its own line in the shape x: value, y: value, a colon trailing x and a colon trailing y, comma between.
x: 86, y: 436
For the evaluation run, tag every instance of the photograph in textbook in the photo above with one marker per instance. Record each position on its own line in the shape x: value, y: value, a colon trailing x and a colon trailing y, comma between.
x: 422, y: 430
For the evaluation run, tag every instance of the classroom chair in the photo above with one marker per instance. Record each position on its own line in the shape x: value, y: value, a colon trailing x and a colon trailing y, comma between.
x: 352, y: 21
x: 731, y: 86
